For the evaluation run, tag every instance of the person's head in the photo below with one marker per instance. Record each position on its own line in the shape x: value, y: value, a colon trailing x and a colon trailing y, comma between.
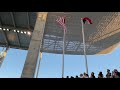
x: 108, y: 71
x: 67, y: 76
x: 72, y: 77
x: 84, y: 73
x: 76, y: 76
x: 81, y: 75
x: 92, y: 73
x: 115, y: 70
x: 100, y: 73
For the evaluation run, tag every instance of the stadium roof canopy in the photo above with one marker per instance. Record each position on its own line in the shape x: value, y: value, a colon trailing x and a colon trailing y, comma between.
x: 101, y: 37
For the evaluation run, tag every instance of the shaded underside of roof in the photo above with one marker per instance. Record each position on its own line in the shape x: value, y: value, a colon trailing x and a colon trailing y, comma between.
x: 101, y: 37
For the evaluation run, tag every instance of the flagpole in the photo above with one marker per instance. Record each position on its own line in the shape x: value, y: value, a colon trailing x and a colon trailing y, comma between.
x: 3, y: 49
x: 84, y: 46
x: 2, y: 58
x: 1, y: 61
x: 38, y: 66
x: 61, y: 21
x: 63, y: 55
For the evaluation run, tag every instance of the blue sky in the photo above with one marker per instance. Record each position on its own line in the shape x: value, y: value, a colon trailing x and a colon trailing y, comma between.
x: 51, y: 64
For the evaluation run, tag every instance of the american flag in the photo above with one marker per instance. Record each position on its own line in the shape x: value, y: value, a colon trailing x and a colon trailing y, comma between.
x: 61, y: 21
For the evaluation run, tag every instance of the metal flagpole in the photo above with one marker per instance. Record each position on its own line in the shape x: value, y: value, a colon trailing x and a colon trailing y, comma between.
x: 1, y: 61
x: 39, y: 61
x: 61, y: 21
x: 4, y: 55
x: 3, y: 49
x: 84, y: 46
x: 1, y: 58
x: 63, y: 55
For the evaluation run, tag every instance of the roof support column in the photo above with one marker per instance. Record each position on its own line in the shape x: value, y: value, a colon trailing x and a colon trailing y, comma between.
x: 34, y: 47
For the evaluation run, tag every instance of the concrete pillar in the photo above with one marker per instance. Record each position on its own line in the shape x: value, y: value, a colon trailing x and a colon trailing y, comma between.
x: 34, y: 47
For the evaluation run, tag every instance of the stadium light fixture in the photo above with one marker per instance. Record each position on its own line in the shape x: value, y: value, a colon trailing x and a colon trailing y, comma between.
x: 18, y: 31
x: 25, y: 32
x: 29, y: 33
x: 14, y: 30
x: 22, y: 32
x: 0, y: 28
x: 7, y: 29
x: 4, y: 29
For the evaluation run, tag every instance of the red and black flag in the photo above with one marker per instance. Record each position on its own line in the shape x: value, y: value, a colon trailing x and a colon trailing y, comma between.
x: 87, y: 19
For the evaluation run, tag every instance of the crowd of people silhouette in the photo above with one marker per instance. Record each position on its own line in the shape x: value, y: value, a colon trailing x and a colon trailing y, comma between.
x: 115, y: 74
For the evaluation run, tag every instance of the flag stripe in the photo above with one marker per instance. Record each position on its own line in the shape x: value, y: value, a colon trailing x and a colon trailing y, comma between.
x: 61, y: 21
